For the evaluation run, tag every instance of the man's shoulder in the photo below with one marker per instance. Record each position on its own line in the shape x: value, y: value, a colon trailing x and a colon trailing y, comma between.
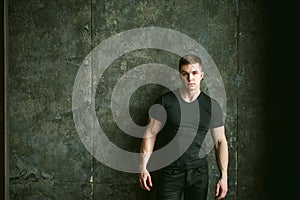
x: 169, y: 94
x: 204, y: 97
x: 167, y: 97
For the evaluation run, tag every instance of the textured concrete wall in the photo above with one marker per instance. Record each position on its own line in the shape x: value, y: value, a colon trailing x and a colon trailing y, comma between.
x: 48, y: 40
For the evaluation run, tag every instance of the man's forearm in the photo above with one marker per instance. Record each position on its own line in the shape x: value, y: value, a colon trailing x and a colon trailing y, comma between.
x: 148, y: 142
x: 146, y: 150
x: 222, y: 157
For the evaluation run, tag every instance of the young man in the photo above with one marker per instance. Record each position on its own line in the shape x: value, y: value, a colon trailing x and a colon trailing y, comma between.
x: 190, y: 114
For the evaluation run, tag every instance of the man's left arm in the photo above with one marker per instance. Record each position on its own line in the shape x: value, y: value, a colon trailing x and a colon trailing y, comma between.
x: 221, y: 151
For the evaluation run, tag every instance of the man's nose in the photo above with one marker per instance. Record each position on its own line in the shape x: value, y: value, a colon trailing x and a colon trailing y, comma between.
x: 190, y: 76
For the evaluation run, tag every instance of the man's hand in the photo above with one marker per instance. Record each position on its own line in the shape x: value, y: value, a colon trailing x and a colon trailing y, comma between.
x: 147, y: 146
x: 221, y: 150
x: 221, y: 189
x: 145, y: 180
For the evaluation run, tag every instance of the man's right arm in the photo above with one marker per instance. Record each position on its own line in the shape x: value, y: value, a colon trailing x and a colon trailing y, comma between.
x: 147, y: 146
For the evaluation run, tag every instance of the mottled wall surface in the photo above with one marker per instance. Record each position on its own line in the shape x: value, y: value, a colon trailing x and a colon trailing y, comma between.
x: 48, y: 41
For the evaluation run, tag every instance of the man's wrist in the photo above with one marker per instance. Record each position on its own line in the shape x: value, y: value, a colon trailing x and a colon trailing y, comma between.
x: 224, y: 177
x: 142, y: 168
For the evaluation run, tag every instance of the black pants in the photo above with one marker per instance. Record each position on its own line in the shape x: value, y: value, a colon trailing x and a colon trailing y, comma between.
x: 192, y: 183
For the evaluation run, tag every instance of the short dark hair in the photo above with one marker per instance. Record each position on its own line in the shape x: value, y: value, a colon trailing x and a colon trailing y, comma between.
x: 189, y: 59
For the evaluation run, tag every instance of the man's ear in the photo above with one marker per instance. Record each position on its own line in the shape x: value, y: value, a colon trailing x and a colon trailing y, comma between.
x: 202, y: 75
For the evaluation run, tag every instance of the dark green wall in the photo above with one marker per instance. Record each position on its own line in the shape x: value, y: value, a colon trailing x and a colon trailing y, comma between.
x: 48, y: 40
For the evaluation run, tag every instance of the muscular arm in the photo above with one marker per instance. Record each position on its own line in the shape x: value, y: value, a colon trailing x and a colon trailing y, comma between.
x: 146, y: 150
x: 221, y: 150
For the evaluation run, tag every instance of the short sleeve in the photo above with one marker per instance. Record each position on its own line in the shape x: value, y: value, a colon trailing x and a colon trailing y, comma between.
x: 217, y: 115
x: 157, y: 110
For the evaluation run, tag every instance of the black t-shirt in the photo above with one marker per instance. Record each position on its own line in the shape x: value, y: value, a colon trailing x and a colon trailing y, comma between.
x: 186, y: 124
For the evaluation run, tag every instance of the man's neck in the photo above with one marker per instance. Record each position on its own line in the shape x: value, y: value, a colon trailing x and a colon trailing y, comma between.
x: 189, y: 95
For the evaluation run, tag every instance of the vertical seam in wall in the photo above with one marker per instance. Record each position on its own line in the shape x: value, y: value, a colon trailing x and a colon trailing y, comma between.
x: 6, y: 158
x: 91, y: 46
x: 238, y: 91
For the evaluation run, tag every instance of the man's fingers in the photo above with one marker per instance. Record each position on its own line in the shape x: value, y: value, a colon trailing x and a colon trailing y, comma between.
x: 221, y: 191
x: 217, y: 190
x: 145, y: 184
x: 223, y: 194
x: 144, y: 180
x: 150, y: 181
x: 142, y: 184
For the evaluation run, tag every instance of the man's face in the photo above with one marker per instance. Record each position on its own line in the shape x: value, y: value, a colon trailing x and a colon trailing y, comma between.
x: 191, y: 76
